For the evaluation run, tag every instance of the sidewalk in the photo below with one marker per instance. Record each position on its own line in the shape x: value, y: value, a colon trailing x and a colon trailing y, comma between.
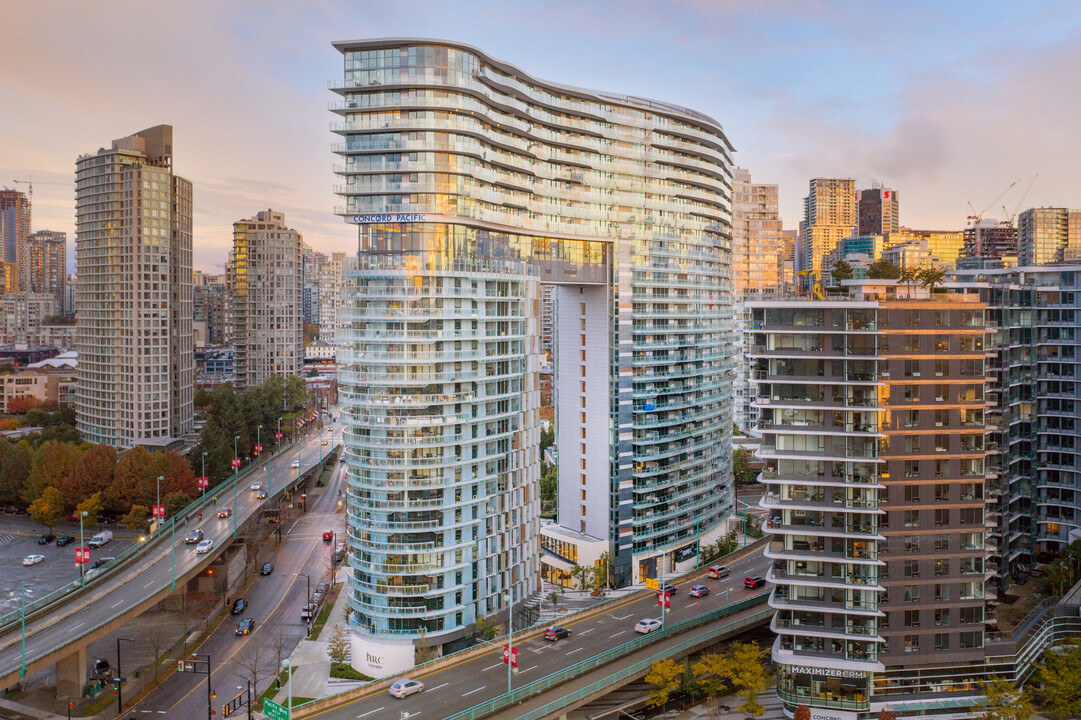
x: 311, y: 676
x: 715, y: 710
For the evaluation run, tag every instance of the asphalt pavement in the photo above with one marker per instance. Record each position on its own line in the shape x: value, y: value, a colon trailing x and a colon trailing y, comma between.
x: 471, y: 681
x: 150, y: 573
x: 274, y: 601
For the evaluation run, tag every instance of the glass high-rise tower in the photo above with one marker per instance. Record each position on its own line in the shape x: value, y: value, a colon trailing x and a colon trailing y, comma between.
x: 472, y: 183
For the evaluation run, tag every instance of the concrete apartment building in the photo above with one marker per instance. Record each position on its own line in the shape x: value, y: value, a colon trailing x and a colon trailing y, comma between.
x: 872, y: 415
x: 877, y: 212
x: 209, y: 306
x: 332, y: 285
x: 1048, y: 235
x: 47, y: 257
x: 313, y: 264
x: 15, y: 213
x: 472, y: 183
x: 264, y: 279
x: 133, y: 247
x: 829, y: 216
x: 22, y: 315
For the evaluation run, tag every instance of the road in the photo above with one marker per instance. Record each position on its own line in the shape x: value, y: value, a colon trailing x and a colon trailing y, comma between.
x: 151, y: 574
x: 275, y: 603
x: 471, y: 681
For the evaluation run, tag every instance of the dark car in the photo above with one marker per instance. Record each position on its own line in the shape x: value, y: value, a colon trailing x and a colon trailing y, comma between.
x: 239, y: 606
x: 246, y: 626
x: 754, y: 582
x: 322, y: 588
x: 64, y: 540
x: 266, y: 569
x: 101, y: 561
x: 670, y: 589
x: 46, y: 538
x: 556, y: 633
x: 328, y: 536
x: 14, y: 510
x: 105, y: 520
x: 194, y: 537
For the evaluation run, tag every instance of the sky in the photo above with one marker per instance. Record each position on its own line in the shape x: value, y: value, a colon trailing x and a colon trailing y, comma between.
x: 946, y: 103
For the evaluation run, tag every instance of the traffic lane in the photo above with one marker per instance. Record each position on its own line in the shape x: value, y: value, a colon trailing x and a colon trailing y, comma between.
x: 134, y: 584
x: 274, y: 601
x: 469, y: 682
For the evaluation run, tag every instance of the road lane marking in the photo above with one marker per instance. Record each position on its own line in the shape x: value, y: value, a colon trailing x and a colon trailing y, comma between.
x: 587, y: 631
x: 369, y: 712
x: 474, y: 691
x: 530, y: 668
x: 78, y: 626
x: 492, y: 666
x: 692, y: 604
x: 149, y: 584
x: 622, y: 617
x: 439, y: 686
x: 574, y: 651
x: 115, y: 604
x: 618, y: 633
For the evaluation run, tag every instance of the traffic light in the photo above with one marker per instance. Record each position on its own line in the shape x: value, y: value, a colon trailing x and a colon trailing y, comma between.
x: 116, y: 689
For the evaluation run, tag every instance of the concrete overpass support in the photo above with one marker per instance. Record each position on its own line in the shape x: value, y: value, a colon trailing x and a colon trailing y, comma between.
x: 71, y: 674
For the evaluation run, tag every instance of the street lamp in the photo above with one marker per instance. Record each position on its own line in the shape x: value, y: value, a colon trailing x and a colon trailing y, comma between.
x: 509, y: 597
x: 82, y: 569
x: 236, y: 476
x: 289, y: 684
x: 159, y: 516
x: 308, y: 599
x: 120, y: 675
x: 241, y: 688
x: 206, y: 480
x: 279, y: 435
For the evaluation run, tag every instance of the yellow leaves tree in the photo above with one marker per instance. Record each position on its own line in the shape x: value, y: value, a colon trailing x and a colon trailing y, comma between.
x: 1005, y: 701
x: 1060, y: 680
x: 666, y: 677
x: 48, y: 510
x: 741, y: 667
x: 711, y: 674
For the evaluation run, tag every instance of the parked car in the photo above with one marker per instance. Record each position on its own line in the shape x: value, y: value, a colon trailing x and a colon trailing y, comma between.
x: 65, y: 540
x: 718, y: 571
x: 14, y: 510
x: 646, y: 625
x: 225, y: 512
x: 322, y: 588
x: 317, y: 597
x: 753, y: 582
x: 193, y: 537
x: 266, y: 569
x: 328, y: 535
x: 699, y: 591
x: 33, y: 559
x: 102, y: 538
x: 246, y: 626
x: 405, y: 686
x: 101, y: 562
x: 101, y: 670
x: 239, y: 606
x: 204, y: 547
x: 339, y: 553
x: 261, y: 495
x: 46, y: 538
x: 105, y: 520
x: 307, y: 612
x: 556, y: 633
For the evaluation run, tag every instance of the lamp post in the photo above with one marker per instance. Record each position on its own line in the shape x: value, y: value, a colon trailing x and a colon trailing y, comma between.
x: 120, y: 675
x: 82, y: 569
x: 159, y: 516
x: 22, y: 625
x: 288, y: 684
x: 279, y: 436
x: 259, y: 436
x: 509, y: 597
x: 236, y: 476
x: 308, y: 597
x: 204, y: 473
x: 172, y: 542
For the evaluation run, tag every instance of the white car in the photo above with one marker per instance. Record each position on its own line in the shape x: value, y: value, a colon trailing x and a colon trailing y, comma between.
x: 405, y: 686
x: 296, y: 464
x: 257, y: 485
x: 646, y: 625
x: 204, y: 547
x: 33, y: 559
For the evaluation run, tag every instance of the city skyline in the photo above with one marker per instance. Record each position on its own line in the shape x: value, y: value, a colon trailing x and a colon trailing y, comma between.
x: 957, y: 107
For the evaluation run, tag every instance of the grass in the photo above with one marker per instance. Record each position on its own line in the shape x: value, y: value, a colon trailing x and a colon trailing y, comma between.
x: 345, y: 671
x: 100, y: 703
x: 272, y: 690
x: 324, y: 613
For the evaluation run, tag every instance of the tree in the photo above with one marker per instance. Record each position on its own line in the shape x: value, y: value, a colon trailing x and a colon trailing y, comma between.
x: 711, y: 674
x: 51, y: 465
x: 49, y: 414
x: 251, y: 665
x: 747, y: 674
x: 48, y: 510
x: 602, y: 571
x: 583, y: 575
x: 665, y: 676
x: 1064, y: 571
x: 424, y: 651
x: 338, y: 646
x: 136, y: 518
x: 548, y: 488
x: 841, y: 271
x: 175, y: 502
x: 93, y: 472
x: 909, y: 275
x: 883, y: 270
x: 804, y: 713
x: 553, y: 598
x: 16, y: 469
x: 741, y: 466
x: 22, y: 403
x: 1060, y: 678
x: 1004, y: 701
x: 91, y: 506
x: 484, y: 630
x: 931, y: 278
x: 11, y: 486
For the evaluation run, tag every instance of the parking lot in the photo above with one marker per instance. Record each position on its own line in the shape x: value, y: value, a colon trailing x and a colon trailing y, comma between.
x: 17, y: 540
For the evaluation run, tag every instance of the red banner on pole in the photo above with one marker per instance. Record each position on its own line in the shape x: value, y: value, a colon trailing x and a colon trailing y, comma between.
x: 159, y: 511
x: 82, y: 556
x: 236, y: 462
x: 204, y: 482
x: 664, y: 600
x: 277, y: 436
x: 510, y: 656
x: 258, y: 448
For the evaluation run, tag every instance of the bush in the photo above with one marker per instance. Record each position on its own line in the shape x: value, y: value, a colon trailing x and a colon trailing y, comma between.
x: 345, y: 671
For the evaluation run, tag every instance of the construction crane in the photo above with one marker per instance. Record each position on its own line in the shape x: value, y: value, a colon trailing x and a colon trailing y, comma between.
x: 976, y: 217
x: 30, y: 184
x: 1009, y: 216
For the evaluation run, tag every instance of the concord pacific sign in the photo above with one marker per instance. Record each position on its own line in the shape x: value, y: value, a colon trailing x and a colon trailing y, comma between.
x: 391, y: 217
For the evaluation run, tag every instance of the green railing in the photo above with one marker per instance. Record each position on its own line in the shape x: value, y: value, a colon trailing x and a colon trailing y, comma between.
x: 538, y: 686
x: 70, y: 590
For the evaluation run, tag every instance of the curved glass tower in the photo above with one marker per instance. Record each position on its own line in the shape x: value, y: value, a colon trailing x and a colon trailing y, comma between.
x: 472, y: 183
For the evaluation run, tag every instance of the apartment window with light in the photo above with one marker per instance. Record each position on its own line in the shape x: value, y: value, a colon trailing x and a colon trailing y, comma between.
x: 912, y: 643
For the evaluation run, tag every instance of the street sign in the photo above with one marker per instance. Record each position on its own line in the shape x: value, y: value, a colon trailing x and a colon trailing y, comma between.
x: 274, y: 711
x: 512, y: 654
x: 653, y: 584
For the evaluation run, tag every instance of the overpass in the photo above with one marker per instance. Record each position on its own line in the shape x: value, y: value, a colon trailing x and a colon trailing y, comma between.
x: 603, y: 645
x: 59, y: 628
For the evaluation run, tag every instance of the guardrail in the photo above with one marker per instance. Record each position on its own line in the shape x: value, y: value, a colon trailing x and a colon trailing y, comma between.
x: 538, y: 686
x: 76, y: 588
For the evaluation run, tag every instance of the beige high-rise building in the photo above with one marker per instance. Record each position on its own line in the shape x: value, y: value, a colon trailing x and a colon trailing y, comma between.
x: 1048, y: 235
x: 332, y: 282
x: 924, y: 248
x: 14, y: 230
x: 23, y: 313
x: 829, y: 216
x: 133, y: 248
x: 47, y: 257
x: 757, y: 240
x: 264, y: 287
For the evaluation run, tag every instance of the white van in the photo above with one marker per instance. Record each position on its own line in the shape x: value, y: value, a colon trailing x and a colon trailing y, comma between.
x: 100, y: 539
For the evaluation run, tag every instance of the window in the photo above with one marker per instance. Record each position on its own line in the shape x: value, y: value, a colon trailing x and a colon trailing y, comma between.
x: 972, y: 343
x: 942, y: 468
x: 942, y: 418
x: 942, y: 567
x: 971, y: 640
x: 912, y: 368
x: 972, y: 590
x: 912, y: 493
x: 942, y: 492
x: 912, y: 518
x: 912, y: 318
x: 942, y: 616
x: 971, y: 516
x: 912, y: 468
x: 972, y: 566
x: 942, y: 318
x: 912, y: 643
x: 942, y: 543
x: 912, y: 593
x: 942, y: 641
x: 942, y: 368
x: 912, y: 418
x: 912, y: 543
x: 912, y: 443
x: 942, y: 443
x: 942, y: 343
x: 912, y: 343
x: 912, y: 618
x: 942, y: 517
x: 942, y: 393
x: 942, y: 592
x: 912, y: 568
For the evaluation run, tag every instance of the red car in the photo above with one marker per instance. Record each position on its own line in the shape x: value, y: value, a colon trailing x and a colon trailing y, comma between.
x: 328, y: 536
